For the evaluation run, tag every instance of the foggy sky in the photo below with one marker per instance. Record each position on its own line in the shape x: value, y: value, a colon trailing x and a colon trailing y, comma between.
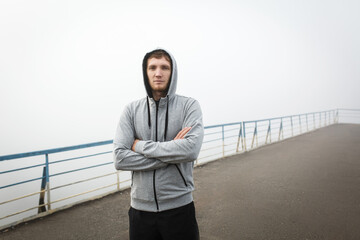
x: 68, y: 68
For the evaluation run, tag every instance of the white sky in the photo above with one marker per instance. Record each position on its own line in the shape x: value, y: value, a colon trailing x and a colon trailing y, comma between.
x: 67, y: 68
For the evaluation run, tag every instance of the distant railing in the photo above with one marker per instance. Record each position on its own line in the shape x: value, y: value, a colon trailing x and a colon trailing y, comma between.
x: 75, y: 174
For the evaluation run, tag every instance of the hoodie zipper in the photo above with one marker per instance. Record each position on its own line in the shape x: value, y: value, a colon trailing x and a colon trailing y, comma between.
x: 156, y: 137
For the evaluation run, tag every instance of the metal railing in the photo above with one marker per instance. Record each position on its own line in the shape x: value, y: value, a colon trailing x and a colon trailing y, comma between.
x: 75, y: 174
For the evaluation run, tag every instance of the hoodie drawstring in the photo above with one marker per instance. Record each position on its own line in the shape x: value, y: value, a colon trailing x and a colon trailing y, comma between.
x: 166, y: 116
x: 148, y: 107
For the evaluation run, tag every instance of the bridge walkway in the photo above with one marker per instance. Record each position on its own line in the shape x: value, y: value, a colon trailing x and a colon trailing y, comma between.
x: 307, y: 187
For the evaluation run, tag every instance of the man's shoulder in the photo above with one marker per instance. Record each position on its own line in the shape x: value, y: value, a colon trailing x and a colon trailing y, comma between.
x: 187, y: 101
x: 136, y: 103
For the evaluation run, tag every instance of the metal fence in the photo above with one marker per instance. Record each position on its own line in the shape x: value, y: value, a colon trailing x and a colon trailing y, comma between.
x: 38, y: 183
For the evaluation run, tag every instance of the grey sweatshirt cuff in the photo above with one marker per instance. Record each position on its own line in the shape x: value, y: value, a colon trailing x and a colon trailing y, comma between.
x: 140, y: 146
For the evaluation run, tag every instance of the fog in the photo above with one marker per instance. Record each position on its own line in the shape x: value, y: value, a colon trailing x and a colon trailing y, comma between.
x: 68, y: 68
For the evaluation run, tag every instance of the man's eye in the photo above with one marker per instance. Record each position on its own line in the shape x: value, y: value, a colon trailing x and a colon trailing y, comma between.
x: 165, y: 68
x: 151, y: 68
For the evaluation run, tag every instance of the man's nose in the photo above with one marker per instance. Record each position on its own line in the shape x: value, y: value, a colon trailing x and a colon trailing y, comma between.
x: 158, y: 72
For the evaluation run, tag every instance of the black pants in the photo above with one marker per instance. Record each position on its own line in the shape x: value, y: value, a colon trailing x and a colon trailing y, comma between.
x: 178, y: 223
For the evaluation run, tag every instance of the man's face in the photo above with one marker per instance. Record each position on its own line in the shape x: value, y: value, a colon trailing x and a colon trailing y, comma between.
x: 158, y: 72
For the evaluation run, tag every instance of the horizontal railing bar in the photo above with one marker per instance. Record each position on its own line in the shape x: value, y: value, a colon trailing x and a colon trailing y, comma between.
x: 209, y: 155
x: 81, y: 181
x: 230, y: 150
x: 202, y: 150
x: 228, y: 130
x: 25, y: 196
x: 212, y: 140
x: 237, y: 135
x: 297, y: 115
x: 221, y: 125
x: 80, y: 169
x: 26, y: 210
x: 19, y: 169
x: 85, y: 156
x: 41, y: 205
x: 348, y: 109
x: 54, y: 150
x: 230, y: 144
x: 207, y: 134
x: 93, y: 190
x: 18, y: 183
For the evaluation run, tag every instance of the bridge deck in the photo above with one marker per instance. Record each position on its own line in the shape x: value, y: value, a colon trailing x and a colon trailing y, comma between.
x: 307, y: 187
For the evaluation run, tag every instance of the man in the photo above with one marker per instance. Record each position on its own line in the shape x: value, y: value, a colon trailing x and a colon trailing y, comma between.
x: 158, y: 138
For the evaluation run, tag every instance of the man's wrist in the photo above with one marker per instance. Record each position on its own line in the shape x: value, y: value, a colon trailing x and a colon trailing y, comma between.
x: 139, y: 146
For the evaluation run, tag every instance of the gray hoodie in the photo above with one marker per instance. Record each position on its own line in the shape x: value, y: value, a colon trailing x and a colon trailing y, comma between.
x: 162, y: 168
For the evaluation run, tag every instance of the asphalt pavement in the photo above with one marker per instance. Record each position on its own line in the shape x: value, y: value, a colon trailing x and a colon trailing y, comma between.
x: 306, y: 187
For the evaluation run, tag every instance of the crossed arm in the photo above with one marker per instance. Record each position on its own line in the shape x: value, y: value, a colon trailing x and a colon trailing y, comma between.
x: 132, y: 154
x: 180, y: 135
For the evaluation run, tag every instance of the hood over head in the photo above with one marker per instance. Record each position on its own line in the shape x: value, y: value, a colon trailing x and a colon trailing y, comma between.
x: 171, y: 88
x: 173, y: 78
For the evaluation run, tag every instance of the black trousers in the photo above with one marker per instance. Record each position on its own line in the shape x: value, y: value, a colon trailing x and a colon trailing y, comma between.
x: 178, y: 223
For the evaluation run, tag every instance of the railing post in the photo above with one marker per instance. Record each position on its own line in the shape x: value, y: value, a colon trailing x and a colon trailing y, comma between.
x: 223, y: 141
x: 319, y: 119
x: 254, y: 135
x: 42, y: 207
x: 300, y: 124
x: 118, y: 180
x: 267, y: 134
x: 307, y: 124
x: 280, y: 129
x: 257, y: 144
x: 314, y: 120
x: 325, y: 120
x: 335, y: 114
x: 239, y: 139
x: 244, y: 132
x: 292, y: 126
x: 270, y: 130
x: 47, y: 181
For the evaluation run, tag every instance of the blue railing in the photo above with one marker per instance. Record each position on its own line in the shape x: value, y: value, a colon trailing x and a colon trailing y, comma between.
x: 58, y: 178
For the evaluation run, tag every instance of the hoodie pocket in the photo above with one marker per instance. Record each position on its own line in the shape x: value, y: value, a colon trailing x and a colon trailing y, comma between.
x: 182, y: 176
x: 132, y: 178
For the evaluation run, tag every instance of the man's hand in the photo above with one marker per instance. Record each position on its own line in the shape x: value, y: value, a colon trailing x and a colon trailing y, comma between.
x: 182, y: 133
x: 133, y: 146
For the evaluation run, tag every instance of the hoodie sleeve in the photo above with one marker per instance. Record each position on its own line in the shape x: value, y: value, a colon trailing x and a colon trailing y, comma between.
x: 124, y: 157
x: 180, y: 150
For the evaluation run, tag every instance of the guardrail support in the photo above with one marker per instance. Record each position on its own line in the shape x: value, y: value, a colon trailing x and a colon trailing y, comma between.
x: 335, y: 114
x: 244, y: 131
x: 47, y: 181
x: 307, y: 125
x: 41, y: 207
x: 240, y: 139
x: 257, y: 143
x: 325, y: 120
x: 280, y: 129
x: 254, y: 135
x: 292, y: 126
x: 314, y: 121
x: 300, y: 124
x: 223, y: 142
x: 268, y: 132
x: 118, y: 180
